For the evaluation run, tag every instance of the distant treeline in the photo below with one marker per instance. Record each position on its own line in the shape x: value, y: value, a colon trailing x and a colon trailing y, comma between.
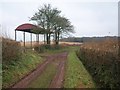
x: 87, y: 39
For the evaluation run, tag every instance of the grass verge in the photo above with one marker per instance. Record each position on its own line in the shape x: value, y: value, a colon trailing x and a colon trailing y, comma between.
x: 76, y: 75
x: 15, y: 70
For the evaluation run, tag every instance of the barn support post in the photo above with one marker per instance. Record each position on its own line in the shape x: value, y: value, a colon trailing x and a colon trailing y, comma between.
x: 24, y: 39
x: 38, y: 39
x: 15, y: 35
x: 44, y: 38
x: 31, y: 40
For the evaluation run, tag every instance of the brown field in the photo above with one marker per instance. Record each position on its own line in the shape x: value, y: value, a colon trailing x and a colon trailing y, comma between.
x: 106, y: 45
x: 28, y: 44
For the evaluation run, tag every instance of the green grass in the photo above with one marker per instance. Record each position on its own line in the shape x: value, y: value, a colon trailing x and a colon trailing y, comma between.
x: 54, y: 50
x: 15, y: 70
x: 43, y: 81
x: 76, y: 75
x: 60, y: 50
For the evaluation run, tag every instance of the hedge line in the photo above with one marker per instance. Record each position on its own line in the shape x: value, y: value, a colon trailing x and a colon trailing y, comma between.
x: 103, y: 65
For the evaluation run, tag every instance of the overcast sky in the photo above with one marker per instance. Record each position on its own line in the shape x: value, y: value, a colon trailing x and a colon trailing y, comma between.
x: 89, y: 17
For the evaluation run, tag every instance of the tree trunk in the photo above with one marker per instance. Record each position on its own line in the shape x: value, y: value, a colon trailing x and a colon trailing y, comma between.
x: 47, y: 37
x: 44, y: 38
x: 58, y: 37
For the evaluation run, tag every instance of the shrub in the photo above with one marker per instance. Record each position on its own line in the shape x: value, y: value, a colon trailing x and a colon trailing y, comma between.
x: 11, y: 50
x: 43, y: 48
x: 102, y: 61
x: 15, y: 64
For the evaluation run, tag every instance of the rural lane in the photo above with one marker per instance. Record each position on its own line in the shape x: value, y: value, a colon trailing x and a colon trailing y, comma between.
x: 57, y: 81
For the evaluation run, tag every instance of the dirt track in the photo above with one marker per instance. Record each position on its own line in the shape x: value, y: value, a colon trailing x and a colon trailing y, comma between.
x: 57, y: 81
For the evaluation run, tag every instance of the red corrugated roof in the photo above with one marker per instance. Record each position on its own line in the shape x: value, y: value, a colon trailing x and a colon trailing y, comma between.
x: 26, y: 26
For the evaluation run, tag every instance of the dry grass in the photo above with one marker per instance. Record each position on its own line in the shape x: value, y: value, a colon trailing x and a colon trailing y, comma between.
x: 34, y: 43
x: 108, y: 45
x: 70, y: 43
x: 11, y: 50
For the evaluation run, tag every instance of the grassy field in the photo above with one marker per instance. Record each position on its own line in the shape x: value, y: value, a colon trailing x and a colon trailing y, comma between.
x: 18, y: 69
